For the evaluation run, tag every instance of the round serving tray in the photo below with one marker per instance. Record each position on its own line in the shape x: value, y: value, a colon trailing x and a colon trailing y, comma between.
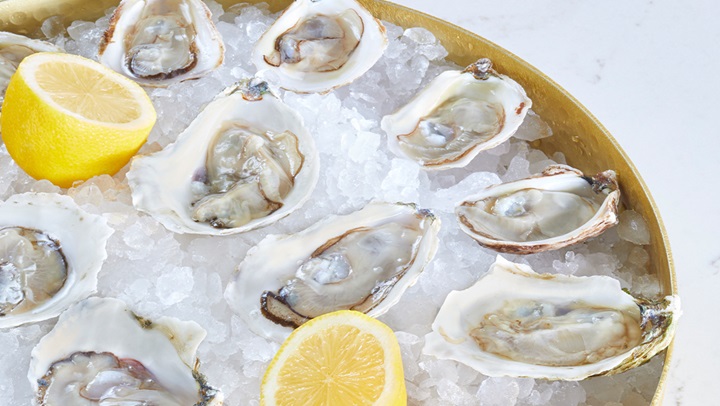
x: 586, y: 144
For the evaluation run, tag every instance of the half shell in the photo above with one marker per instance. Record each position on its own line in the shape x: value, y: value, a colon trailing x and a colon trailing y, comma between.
x: 100, y: 352
x: 361, y: 261
x: 50, y: 254
x: 318, y: 45
x: 554, y: 209
x: 457, y: 115
x: 159, y: 42
x: 515, y: 322
x: 190, y: 187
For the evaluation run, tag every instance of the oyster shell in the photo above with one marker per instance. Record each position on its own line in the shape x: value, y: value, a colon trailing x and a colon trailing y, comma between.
x: 457, y: 115
x: 50, y: 254
x: 244, y: 162
x: 318, y: 45
x: 554, y: 209
x: 13, y: 49
x: 100, y: 352
x: 515, y: 322
x: 159, y: 42
x: 361, y: 261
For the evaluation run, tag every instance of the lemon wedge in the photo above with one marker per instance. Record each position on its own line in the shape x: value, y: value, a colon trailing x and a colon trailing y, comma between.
x: 67, y: 118
x: 340, y: 358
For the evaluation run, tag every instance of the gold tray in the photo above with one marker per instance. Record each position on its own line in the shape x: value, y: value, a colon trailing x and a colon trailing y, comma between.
x: 587, y: 145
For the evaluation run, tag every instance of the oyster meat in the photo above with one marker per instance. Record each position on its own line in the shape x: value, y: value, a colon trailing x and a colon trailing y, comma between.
x: 515, y: 322
x: 249, y: 166
x: 101, y: 353
x: 33, y: 268
x: 50, y: 254
x: 13, y: 49
x: 554, y: 209
x: 457, y: 115
x: 159, y: 42
x: 363, y: 261
x: 243, y: 163
x: 318, y: 45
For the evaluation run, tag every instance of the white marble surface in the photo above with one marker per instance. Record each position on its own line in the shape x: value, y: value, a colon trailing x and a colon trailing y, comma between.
x: 649, y: 71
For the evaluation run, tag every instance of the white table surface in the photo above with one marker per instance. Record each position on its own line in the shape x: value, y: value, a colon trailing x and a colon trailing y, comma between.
x: 649, y: 71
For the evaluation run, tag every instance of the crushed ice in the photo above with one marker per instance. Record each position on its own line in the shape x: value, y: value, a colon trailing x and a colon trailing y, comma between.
x: 160, y: 273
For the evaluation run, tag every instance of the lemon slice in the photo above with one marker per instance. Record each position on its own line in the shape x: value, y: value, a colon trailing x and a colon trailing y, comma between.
x: 67, y: 118
x: 340, y: 358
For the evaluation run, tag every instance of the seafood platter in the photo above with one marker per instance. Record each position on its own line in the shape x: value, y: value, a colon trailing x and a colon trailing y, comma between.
x: 301, y: 158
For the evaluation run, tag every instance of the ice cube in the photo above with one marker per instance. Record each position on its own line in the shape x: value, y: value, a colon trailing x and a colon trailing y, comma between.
x: 632, y: 227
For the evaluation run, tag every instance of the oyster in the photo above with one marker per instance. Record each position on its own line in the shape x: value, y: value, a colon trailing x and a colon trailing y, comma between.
x: 100, y: 352
x: 50, y: 254
x: 459, y: 114
x: 159, y: 42
x: 245, y: 162
x: 544, y: 212
x: 13, y: 49
x: 515, y: 322
x: 362, y: 261
x: 318, y: 45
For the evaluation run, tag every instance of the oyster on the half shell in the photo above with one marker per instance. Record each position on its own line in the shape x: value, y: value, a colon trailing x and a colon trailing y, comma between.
x: 13, y: 49
x: 318, y: 45
x: 554, y: 209
x: 457, y: 115
x: 159, y: 42
x: 362, y: 261
x: 244, y: 162
x: 515, y: 322
x: 101, y: 353
x: 50, y: 254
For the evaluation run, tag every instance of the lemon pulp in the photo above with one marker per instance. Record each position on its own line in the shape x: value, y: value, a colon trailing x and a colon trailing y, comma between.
x: 341, y: 358
x: 87, y: 92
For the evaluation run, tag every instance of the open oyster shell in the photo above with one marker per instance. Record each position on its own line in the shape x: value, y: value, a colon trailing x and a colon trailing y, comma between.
x: 515, y: 322
x: 244, y: 162
x: 50, y: 254
x: 159, y: 42
x: 361, y: 261
x: 100, y: 352
x: 318, y: 45
x: 457, y: 115
x: 13, y: 49
x: 554, y: 209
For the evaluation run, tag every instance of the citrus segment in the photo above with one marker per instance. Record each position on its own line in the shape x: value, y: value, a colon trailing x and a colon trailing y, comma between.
x: 341, y: 358
x: 67, y: 118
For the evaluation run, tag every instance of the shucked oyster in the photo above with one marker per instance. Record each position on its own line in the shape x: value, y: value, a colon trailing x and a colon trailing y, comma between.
x: 13, y: 49
x: 101, y: 353
x: 158, y: 42
x: 515, y: 322
x: 318, y: 45
x: 248, y: 175
x: 363, y: 261
x: 50, y: 254
x: 459, y: 114
x: 243, y: 163
x: 548, y: 211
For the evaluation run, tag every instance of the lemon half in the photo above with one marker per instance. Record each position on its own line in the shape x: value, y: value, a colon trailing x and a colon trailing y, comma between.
x: 68, y: 118
x: 340, y: 358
